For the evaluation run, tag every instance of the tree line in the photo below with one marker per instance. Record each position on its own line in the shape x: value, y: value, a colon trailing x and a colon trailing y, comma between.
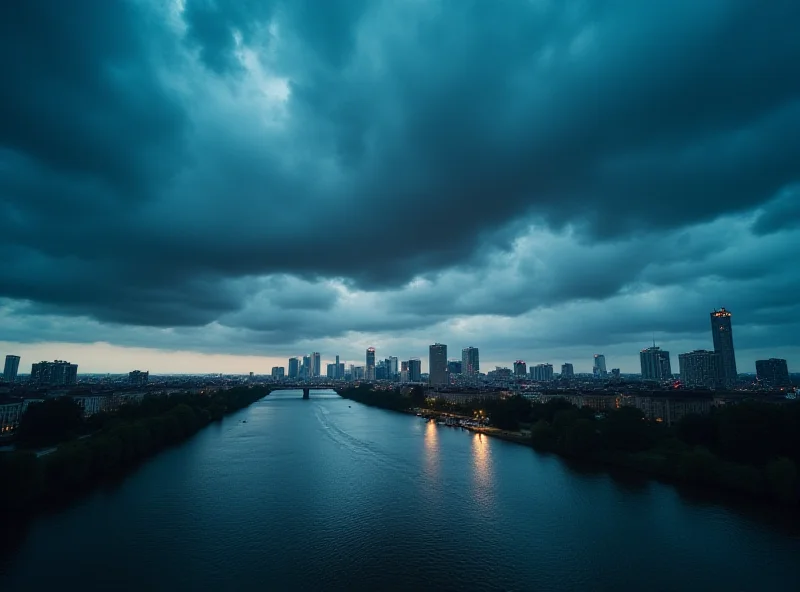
x: 752, y: 447
x: 103, y: 445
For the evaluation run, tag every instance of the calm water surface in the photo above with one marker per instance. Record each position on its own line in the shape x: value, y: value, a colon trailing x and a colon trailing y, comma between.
x: 330, y: 494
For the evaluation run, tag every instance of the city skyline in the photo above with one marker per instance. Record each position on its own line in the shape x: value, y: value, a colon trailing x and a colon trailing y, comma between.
x: 258, y: 194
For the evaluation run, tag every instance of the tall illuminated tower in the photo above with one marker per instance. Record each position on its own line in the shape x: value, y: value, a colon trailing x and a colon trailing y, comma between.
x: 722, y: 333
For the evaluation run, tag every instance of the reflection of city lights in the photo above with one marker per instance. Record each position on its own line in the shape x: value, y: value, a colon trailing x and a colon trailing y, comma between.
x: 480, y: 460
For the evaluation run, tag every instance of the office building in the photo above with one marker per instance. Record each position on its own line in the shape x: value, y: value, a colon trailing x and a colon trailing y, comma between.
x: 358, y: 372
x: 294, y: 368
x: 316, y: 365
x: 394, y: 370
x: 305, y: 369
x: 470, y: 361
x: 381, y: 371
x: 370, y: 367
x: 599, y: 367
x: 701, y: 368
x: 520, y: 369
x: 11, y: 368
x: 57, y: 373
x: 542, y: 372
x: 338, y: 371
x: 278, y: 372
x: 454, y: 367
x: 138, y: 378
x: 655, y: 364
x: 415, y: 370
x: 404, y: 376
x: 437, y: 364
x: 331, y: 371
x: 567, y: 371
x: 722, y: 333
x: 773, y: 372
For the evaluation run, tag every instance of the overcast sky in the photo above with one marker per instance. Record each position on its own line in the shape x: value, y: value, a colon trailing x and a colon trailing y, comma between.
x: 213, y: 186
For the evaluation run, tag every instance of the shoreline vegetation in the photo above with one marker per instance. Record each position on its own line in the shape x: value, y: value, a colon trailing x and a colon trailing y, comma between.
x: 92, y: 450
x: 750, y: 448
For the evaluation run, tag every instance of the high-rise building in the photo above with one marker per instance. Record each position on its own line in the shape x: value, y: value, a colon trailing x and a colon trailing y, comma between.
x: 454, y: 367
x: 381, y: 371
x: 599, y: 368
x: 655, y: 364
x: 138, y: 378
x: 415, y: 370
x: 316, y: 365
x: 701, y: 368
x: 294, y: 368
x: 437, y: 364
x: 394, y: 370
x: 567, y: 371
x: 370, y: 369
x: 305, y: 369
x: 358, y: 372
x: 404, y: 377
x: 722, y: 333
x: 58, y: 373
x: 520, y: 369
x: 11, y: 368
x: 542, y: 372
x: 338, y: 372
x: 773, y: 372
x: 278, y: 372
x: 470, y: 361
x: 331, y: 371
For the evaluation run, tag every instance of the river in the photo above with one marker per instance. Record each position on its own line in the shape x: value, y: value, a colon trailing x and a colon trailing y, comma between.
x: 330, y: 494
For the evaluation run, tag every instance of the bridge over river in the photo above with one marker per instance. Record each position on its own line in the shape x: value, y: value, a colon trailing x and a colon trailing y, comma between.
x: 305, y: 387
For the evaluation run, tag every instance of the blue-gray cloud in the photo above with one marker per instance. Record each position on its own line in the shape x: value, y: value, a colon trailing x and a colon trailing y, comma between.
x: 255, y: 164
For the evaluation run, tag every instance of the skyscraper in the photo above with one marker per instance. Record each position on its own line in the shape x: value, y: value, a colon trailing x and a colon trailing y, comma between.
x: 393, y: 369
x: 370, y: 369
x: 722, y: 333
x: 655, y: 364
x: 415, y: 370
x: 520, y: 369
x: 437, y: 364
x: 338, y: 372
x: 470, y: 361
x: 58, y: 373
x: 567, y: 370
x: 316, y: 365
x: 599, y: 368
x: 138, y: 378
x: 305, y: 369
x: 454, y: 367
x: 542, y: 372
x: 773, y: 372
x: 404, y: 372
x: 11, y: 368
x: 700, y: 368
x: 294, y: 367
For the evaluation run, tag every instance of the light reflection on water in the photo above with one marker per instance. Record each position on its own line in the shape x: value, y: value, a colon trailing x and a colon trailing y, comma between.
x: 431, y: 450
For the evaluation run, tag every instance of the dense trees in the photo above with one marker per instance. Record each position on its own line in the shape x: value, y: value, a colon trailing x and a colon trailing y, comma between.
x: 118, y: 441
x: 752, y: 447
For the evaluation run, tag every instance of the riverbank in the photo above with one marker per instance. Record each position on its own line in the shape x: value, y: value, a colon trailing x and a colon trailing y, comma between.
x: 746, y: 449
x: 122, y: 441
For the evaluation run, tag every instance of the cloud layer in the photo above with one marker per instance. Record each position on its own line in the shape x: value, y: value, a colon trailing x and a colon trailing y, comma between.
x: 526, y: 176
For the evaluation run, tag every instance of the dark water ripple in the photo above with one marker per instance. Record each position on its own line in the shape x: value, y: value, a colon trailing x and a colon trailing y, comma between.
x: 331, y: 495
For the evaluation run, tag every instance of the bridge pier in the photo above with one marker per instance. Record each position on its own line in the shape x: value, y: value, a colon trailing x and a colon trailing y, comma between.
x: 305, y: 393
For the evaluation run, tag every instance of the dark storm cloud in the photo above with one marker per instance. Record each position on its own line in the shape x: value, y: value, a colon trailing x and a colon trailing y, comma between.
x: 148, y: 176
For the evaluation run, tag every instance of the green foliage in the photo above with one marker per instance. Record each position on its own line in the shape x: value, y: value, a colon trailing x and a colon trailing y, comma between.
x: 581, y: 438
x: 699, y: 466
x: 782, y: 478
x: 50, y: 422
x: 543, y: 436
x: 119, y: 441
x: 627, y: 430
